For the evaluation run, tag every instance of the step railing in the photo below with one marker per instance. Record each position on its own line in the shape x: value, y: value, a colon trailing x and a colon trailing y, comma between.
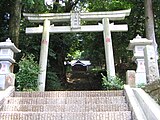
x: 149, y: 106
x: 6, y: 93
x: 143, y: 107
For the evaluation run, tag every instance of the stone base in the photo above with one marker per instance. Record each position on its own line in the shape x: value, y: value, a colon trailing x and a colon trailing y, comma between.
x: 6, y: 80
x: 140, y: 78
x: 153, y: 89
x: 2, y: 81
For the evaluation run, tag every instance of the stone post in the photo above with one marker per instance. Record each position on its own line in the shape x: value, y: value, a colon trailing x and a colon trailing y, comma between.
x: 137, y: 45
x: 152, y: 72
x: 7, y: 50
x: 130, y: 78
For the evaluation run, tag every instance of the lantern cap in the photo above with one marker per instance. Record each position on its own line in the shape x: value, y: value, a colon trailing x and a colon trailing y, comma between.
x: 139, y: 41
x: 9, y: 45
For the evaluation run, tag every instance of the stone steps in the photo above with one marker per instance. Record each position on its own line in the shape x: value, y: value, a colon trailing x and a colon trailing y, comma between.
x: 120, y: 115
x: 66, y: 100
x: 66, y: 107
x: 70, y: 94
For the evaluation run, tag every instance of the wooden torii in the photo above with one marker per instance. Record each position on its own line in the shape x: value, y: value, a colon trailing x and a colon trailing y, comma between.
x: 48, y: 20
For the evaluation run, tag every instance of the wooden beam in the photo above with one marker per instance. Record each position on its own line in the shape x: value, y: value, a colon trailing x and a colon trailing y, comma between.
x: 84, y: 28
x: 34, y: 30
x: 118, y: 28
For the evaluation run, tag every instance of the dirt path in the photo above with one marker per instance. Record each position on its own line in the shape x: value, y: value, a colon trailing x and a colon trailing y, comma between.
x: 82, y: 81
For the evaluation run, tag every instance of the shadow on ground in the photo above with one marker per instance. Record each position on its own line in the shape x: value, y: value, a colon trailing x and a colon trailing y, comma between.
x: 83, y: 81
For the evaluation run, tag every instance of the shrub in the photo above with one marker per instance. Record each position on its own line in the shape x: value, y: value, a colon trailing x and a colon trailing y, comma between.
x: 53, y: 82
x: 113, y: 83
x: 27, y: 76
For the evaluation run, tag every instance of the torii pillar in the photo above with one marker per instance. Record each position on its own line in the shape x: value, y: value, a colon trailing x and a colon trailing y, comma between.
x: 108, y: 49
x: 44, y: 55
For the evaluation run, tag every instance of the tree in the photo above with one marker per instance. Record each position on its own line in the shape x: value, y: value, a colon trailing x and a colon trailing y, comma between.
x: 14, y: 24
x: 149, y: 22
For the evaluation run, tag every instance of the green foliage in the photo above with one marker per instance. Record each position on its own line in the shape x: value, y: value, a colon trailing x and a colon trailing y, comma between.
x: 53, y: 82
x: 113, y: 83
x: 27, y: 75
x: 119, y: 5
x: 34, y: 6
x: 93, y: 48
x: 142, y: 85
x: 106, y: 5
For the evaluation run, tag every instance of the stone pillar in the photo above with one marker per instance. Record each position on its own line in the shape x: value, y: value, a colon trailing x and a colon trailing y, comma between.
x: 108, y: 49
x: 44, y: 55
x: 7, y: 50
x: 140, y: 71
x: 151, y: 64
x: 130, y: 78
x: 137, y: 45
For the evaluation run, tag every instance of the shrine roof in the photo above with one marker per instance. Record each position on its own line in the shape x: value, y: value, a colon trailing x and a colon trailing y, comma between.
x: 80, y: 62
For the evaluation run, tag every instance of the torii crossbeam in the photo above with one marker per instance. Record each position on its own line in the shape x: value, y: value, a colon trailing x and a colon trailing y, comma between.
x: 75, y: 18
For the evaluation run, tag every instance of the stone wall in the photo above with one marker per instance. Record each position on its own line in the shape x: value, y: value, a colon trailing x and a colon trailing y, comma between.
x: 153, y: 89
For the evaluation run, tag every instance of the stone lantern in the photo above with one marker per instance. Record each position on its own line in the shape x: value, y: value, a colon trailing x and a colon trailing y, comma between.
x: 7, y: 50
x: 137, y: 45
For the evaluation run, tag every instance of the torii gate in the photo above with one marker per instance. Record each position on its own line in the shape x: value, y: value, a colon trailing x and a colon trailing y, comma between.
x: 75, y: 17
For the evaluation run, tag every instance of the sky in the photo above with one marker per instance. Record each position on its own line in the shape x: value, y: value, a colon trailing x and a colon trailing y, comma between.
x: 50, y: 2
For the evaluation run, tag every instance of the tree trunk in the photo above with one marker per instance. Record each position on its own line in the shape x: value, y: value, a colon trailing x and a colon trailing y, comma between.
x: 70, y: 5
x: 14, y: 24
x: 149, y: 22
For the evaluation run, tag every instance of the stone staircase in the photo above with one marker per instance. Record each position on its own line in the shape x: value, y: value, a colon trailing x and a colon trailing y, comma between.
x: 66, y: 105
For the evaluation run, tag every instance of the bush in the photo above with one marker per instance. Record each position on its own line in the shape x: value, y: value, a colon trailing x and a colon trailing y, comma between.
x: 53, y: 83
x: 113, y: 83
x: 27, y: 76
